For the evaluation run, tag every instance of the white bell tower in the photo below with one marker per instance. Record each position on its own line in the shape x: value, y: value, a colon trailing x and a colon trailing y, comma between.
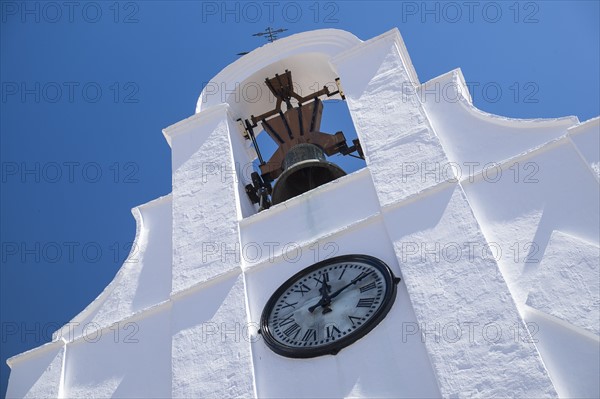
x: 491, y: 223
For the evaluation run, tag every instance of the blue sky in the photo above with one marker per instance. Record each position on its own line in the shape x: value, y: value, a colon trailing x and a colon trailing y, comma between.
x: 87, y: 89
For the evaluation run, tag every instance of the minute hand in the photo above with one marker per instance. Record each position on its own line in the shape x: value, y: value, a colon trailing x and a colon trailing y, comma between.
x: 353, y: 282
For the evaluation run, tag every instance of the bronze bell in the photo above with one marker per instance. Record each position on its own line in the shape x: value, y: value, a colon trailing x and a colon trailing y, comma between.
x: 304, y: 168
x: 298, y: 165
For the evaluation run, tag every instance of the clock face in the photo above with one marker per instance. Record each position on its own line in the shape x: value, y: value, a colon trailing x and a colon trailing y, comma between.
x: 328, y: 306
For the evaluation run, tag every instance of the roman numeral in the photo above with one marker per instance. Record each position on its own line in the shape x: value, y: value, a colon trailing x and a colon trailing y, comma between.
x: 286, y: 321
x: 330, y: 330
x: 367, y: 287
x: 303, y: 289
x: 365, y: 302
x: 324, y: 278
x: 352, y: 318
x: 290, y: 330
x: 288, y: 305
x: 343, y: 271
x: 310, y: 335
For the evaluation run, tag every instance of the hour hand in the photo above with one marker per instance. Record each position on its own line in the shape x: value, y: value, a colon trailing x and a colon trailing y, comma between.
x: 324, y: 290
x: 323, y: 302
x: 325, y: 299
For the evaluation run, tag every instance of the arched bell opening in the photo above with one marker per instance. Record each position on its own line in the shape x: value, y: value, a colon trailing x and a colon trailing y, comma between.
x: 299, y: 146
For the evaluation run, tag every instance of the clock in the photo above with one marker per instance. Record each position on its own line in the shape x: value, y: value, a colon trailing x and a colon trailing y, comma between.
x: 328, y: 306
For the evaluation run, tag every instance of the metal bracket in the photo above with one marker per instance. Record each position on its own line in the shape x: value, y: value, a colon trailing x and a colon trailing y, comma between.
x: 345, y: 150
x: 242, y: 127
x: 259, y: 192
x: 340, y: 90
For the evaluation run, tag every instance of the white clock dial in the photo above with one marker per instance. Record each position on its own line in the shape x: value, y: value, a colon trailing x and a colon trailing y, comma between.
x: 328, y: 306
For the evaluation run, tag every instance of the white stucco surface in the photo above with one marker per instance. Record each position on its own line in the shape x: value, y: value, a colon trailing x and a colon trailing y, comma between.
x: 131, y: 359
x: 445, y: 293
x: 394, y: 130
x: 568, y: 286
x: 462, y: 301
x: 391, y: 361
x: 210, y: 349
x: 570, y: 357
x: 203, y: 163
x: 312, y: 215
x: 492, y: 223
x: 38, y: 373
x: 586, y: 138
x: 519, y: 218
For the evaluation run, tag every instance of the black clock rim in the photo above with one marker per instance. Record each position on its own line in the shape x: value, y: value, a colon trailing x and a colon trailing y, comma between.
x: 334, y: 347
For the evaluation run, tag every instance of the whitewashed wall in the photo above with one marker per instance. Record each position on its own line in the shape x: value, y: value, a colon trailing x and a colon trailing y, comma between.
x: 434, y: 212
x: 533, y: 187
x: 391, y: 361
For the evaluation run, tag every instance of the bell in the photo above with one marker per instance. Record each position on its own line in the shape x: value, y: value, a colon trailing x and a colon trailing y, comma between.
x: 304, y: 168
x: 298, y: 164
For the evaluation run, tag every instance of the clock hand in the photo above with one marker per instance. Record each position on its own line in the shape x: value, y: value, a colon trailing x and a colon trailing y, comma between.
x: 326, y: 300
x: 324, y: 290
x: 326, y: 287
x: 353, y: 282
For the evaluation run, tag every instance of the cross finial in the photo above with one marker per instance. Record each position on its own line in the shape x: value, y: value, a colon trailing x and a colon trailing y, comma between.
x: 271, y: 36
